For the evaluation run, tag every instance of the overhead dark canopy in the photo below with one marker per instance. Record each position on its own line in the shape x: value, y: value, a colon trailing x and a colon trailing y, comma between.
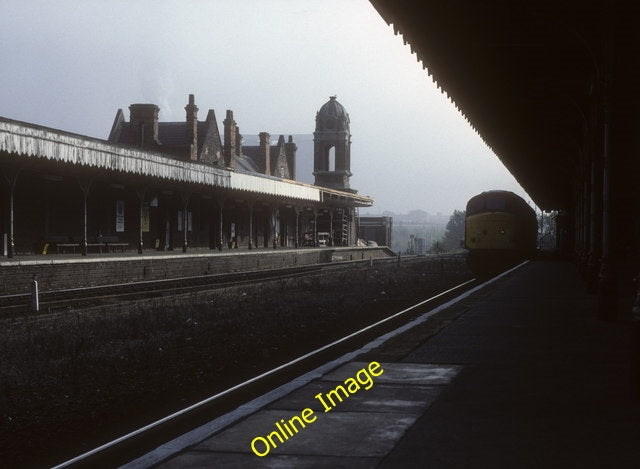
x: 532, y: 77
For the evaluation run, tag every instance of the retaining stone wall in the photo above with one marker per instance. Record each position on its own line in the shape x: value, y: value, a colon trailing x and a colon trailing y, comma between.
x: 16, y: 274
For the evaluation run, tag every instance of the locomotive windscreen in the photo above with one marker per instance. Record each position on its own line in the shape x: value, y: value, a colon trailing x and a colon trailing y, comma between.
x: 487, y: 202
x: 496, y: 203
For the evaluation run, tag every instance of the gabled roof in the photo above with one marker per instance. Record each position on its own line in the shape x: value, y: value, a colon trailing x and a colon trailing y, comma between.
x: 275, y: 152
x: 173, y: 136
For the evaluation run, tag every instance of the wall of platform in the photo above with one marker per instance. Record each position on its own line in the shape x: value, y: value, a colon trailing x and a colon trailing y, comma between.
x: 60, y: 273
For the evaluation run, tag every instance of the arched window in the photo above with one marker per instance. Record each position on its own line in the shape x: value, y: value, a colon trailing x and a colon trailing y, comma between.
x: 332, y: 159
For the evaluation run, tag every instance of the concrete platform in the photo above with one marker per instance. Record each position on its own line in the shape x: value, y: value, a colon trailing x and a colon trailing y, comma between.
x: 526, y: 377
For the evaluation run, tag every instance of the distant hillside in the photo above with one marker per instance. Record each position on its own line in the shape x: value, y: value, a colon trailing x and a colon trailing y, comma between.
x: 304, y: 154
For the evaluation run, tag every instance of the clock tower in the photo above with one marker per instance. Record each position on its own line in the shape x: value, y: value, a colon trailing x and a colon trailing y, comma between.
x: 332, y: 147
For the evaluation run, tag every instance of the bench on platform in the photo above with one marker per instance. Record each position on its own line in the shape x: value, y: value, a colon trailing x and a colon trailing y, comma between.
x: 113, y: 244
x: 118, y: 246
x: 62, y: 247
x: 64, y: 244
x: 98, y: 246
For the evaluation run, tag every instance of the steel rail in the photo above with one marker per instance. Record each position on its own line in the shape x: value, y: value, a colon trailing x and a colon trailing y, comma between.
x: 148, y: 287
x: 158, y: 282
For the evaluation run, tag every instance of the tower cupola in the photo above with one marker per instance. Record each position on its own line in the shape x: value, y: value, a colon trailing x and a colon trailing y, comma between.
x: 332, y: 147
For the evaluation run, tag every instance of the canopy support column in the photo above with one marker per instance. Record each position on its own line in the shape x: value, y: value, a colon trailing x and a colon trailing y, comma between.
x: 185, y: 197
x: 250, y: 206
x: 85, y: 186
x: 11, y: 178
x: 141, y: 193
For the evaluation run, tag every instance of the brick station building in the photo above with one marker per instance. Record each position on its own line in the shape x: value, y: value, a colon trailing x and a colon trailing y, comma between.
x: 172, y: 186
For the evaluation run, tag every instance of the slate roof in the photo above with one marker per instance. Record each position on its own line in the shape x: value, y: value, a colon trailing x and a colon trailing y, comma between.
x: 245, y: 164
x: 172, y: 134
x: 252, y: 153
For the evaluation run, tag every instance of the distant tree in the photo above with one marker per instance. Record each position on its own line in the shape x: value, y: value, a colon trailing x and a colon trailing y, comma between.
x: 547, y: 230
x: 454, y: 232
x: 436, y: 247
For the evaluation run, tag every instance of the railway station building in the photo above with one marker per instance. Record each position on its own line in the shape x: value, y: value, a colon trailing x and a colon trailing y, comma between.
x: 171, y: 186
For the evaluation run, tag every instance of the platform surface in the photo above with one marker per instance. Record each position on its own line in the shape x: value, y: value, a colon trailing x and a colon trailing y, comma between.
x: 527, y: 377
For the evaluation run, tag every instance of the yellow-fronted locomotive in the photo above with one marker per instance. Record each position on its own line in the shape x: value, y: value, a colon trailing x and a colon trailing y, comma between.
x: 500, y: 231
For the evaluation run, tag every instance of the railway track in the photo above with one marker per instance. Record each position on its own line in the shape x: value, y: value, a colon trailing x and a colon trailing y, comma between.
x: 89, y: 296
x: 59, y: 300
x: 147, y: 438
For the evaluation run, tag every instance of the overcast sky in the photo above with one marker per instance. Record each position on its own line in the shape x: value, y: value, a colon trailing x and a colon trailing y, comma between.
x: 71, y: 64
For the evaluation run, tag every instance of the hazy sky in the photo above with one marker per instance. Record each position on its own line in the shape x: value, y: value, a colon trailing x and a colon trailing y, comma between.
x: 71, y: 64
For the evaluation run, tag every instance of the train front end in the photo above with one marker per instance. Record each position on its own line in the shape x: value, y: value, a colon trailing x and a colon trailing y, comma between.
x: 500, y: 231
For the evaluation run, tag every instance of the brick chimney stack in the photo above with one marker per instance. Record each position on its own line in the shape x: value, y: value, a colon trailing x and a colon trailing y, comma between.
x: 264, y: 153
x: 290, y: 149
x: 192, y: 127
x: 238, y: 142
x: 230, y: 129
x: 143, y: 120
